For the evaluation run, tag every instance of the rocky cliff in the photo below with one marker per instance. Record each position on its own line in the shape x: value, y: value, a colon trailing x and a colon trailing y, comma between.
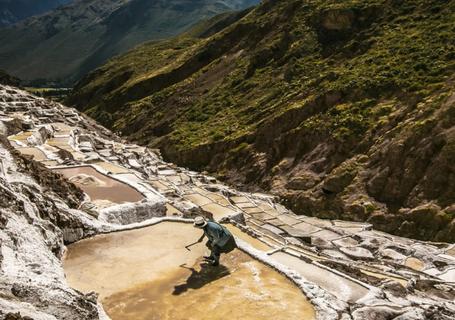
x: 345, y: 110
x: 37, y: 213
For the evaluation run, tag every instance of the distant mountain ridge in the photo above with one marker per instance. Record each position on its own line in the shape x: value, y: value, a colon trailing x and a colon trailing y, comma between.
x: 61, y: 46
x: 12, y: 11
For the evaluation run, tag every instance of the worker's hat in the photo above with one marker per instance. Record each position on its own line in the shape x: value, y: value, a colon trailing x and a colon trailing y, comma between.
x: 199, y: 222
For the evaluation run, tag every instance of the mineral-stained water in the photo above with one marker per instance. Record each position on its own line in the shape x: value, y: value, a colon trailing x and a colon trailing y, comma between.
x: 148, y: 274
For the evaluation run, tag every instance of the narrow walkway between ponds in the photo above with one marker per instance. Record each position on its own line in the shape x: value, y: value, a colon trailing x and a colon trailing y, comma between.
x: 148, y: 274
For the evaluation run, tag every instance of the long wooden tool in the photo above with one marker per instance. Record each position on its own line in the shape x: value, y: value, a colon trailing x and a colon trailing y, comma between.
x: 190, y: 245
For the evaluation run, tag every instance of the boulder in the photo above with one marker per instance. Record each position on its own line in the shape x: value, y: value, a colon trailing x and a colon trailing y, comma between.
x: 341, y: 176
x: 428, y: 215
x: 303, y: 181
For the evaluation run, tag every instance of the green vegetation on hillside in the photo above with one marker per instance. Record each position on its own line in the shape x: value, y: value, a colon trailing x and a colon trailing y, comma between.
x: 359, y: 51
x: 291, y: 92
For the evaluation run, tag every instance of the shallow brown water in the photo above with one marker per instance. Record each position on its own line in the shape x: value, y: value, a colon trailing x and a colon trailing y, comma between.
x: 37, y: 154
x: 256, y: 243
x: 147, y: 274
x: 102, y: 187
x: 340, y: 287
x: 378, y: 275
x: 415, y: 263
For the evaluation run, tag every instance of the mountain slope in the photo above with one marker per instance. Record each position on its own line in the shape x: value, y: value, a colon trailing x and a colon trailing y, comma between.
x: 12, y: 11
x: 68, y: 42
x: 8, y: 80
x: 346, y: 110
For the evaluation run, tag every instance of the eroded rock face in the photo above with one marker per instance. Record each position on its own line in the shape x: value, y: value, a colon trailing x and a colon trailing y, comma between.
x: 34, y: 214
x: 398, y: 165
x: 403, y: 184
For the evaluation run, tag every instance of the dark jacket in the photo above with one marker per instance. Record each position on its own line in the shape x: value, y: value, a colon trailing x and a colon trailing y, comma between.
x: 217, y: 234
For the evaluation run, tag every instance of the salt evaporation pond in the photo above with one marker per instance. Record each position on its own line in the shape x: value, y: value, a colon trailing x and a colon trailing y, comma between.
x: 148, y: 274
x: 99, y: 186
x: 36, y: 153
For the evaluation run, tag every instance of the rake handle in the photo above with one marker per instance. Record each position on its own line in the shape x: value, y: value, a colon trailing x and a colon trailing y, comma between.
x: 190, y: 245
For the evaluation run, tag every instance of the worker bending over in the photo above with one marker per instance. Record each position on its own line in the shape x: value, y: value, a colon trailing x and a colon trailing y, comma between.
x: 220, y: 239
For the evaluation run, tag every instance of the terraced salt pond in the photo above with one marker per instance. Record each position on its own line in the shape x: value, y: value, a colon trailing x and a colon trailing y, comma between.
x: 99, y: 186
x: 343, y: 289
x: 36, y: 153
x: 148, y: 274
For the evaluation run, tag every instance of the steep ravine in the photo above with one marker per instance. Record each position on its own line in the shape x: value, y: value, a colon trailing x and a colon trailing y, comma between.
x: 344, y: 110
x: 335, y: 270
x: 397, y: 176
